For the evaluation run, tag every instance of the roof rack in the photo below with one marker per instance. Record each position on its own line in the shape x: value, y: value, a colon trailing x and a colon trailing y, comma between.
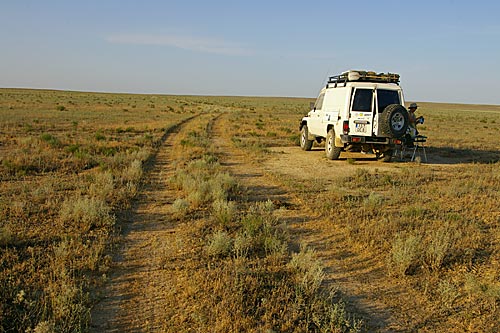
x: 364, y: 76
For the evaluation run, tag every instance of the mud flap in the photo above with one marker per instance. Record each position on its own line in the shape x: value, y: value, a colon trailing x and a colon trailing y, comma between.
x: 338, y: 142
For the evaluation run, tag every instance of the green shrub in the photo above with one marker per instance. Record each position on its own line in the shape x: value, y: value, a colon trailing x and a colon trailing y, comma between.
x: 373, y: 201
x: 99, y: 136
x: 73, y: 148
x: 51, y: 140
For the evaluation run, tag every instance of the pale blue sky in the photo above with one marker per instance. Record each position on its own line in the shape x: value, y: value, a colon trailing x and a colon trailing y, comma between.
x: 445, y: 51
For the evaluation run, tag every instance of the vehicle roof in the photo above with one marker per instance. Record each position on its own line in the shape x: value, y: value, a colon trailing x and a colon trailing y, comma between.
x: 374, y: 85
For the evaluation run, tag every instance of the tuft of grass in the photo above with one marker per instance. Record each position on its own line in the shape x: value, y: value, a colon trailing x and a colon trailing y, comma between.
x: 405, y: 254
x: 133, y: 172
x: 103, y: 186
x: 85, y: 213
x: 220, y: 244
x: 180, y: 208
x: 440, y: 242
x: 373, y: 201
x: 448, y: 293
x: 44, y: 327
x: 310, y: 272
x: 5, y: 235
x: 242, y: 245
x: 224, y: 212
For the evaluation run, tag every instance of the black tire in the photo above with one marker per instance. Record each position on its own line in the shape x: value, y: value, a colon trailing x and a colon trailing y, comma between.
x: 394, y: 121
x: 332, y: 152
x: 305, y: 143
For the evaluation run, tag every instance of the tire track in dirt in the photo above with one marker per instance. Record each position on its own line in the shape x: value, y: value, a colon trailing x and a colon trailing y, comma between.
x: 358, y: 277
x: 133, y: 297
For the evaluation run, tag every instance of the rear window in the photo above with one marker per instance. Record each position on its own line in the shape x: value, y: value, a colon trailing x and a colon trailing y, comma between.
x: 362, y: 100
x: 386, y: 97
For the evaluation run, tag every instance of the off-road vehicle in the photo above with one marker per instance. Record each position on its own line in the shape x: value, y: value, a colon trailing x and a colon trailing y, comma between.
x: 357, y: 111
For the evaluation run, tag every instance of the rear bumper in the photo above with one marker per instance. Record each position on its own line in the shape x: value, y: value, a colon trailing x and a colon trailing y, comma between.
x: 369, y: 139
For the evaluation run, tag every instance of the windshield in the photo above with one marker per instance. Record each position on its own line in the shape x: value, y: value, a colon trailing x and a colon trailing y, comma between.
x: 386, y: 97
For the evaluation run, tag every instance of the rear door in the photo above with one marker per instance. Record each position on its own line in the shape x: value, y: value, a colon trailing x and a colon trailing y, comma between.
x: 361, y: 116
x: 384, y: 98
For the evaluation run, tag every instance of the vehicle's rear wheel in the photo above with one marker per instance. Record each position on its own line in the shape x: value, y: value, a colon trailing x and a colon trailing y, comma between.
x: 305, y: 143
x: 394, y: 121
x: 332, y: 152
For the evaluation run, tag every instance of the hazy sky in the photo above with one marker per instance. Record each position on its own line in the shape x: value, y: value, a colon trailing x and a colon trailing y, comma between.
x: 445, y: 51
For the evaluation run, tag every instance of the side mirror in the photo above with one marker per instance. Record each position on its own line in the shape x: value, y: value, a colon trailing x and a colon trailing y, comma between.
x: 311, y: 106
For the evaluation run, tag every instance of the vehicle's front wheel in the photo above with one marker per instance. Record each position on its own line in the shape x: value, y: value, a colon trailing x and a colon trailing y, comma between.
x: 332, y: 152
x: 305, y: 143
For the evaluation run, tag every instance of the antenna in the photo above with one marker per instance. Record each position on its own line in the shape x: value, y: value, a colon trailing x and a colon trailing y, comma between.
x: 326, y: 77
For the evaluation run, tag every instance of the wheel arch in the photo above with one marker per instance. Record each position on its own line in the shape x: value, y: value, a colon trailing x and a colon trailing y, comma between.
x: 302, y: 123
x: 338, y: 140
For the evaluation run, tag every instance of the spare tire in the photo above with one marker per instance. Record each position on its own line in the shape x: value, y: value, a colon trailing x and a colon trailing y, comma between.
x: 394, y: 121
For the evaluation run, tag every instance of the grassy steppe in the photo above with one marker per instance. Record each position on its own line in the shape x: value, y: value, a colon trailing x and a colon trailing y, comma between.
x: 435, y: 226
x: 71, y: 162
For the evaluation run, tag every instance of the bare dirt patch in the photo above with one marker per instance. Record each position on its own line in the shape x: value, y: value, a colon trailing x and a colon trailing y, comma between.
x: 296, y: 163
x: 300, y: 164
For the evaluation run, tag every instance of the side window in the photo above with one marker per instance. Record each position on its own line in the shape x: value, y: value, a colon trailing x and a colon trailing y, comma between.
x: 386, y: 97
x: 362, y: 100
x: 319, y: 102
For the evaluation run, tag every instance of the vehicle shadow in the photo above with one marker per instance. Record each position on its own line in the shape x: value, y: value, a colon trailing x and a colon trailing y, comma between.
x: 430, y: 155
x: 450, y: 155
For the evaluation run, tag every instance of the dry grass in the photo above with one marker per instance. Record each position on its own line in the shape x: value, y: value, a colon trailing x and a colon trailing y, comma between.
x: 69, y: 161
x: 74, y: 160
x: 244, y: 278
x: 437, y: 228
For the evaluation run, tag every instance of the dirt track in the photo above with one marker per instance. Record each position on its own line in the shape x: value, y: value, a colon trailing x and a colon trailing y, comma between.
x: 143, y: 275
x: 133, y: 300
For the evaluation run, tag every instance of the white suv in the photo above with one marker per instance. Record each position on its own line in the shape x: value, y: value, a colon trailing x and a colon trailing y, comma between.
x: 357, y: 111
